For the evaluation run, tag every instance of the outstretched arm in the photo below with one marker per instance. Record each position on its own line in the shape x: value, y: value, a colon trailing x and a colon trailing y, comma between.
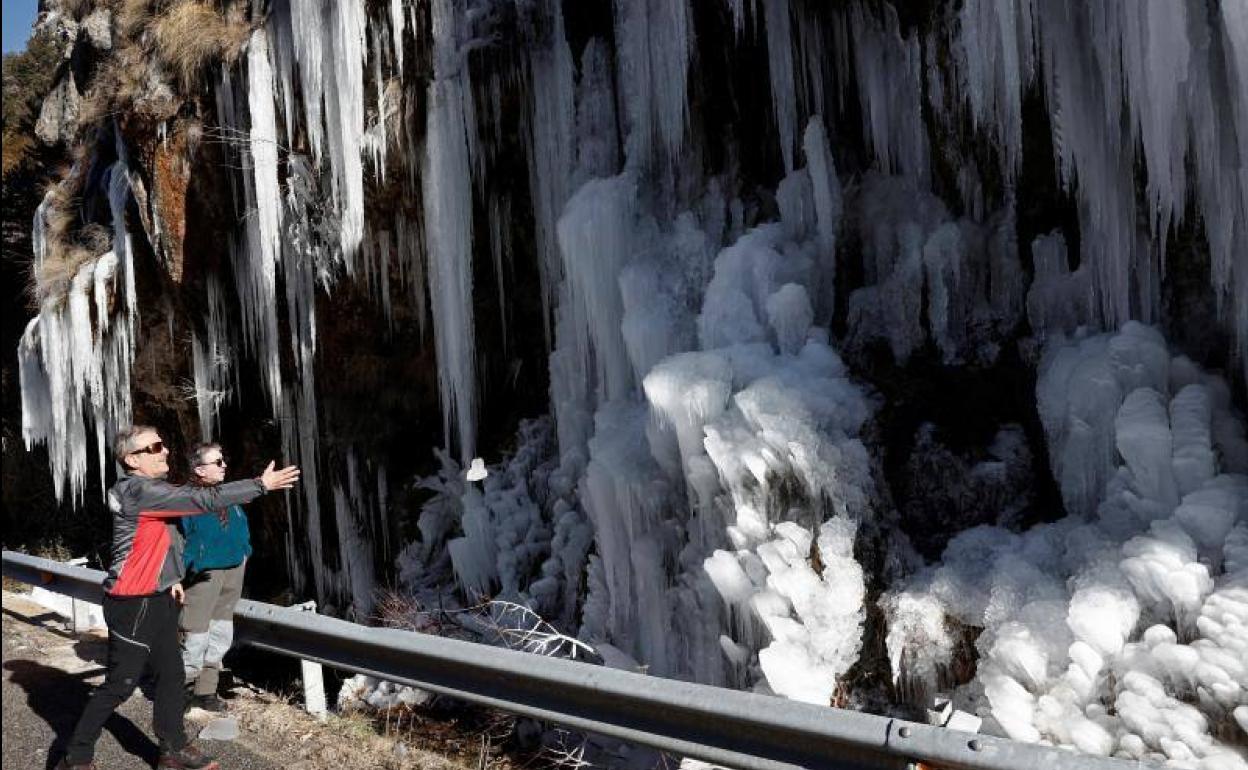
x: 160, y: 499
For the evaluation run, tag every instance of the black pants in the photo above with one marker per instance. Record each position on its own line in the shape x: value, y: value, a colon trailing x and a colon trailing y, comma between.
x: 142, y: 630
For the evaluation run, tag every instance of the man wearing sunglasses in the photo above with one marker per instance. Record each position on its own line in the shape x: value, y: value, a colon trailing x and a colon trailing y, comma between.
x: 143, y: 589
x: 216, y: 554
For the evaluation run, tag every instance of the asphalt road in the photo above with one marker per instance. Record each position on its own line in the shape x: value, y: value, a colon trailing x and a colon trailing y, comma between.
x: 48, y: 674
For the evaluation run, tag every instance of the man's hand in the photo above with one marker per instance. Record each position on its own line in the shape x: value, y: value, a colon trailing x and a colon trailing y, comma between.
x: 283, y: 479
x: 179, y: 593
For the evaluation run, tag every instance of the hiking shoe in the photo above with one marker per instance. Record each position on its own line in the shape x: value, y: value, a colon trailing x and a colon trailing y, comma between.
x: 65, y: 765
x: 189, y: 757
x: 206, y: 702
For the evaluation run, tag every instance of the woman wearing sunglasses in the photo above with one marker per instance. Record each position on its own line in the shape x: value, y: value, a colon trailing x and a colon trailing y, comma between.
x: 143, y: 589
x: 215, y: 553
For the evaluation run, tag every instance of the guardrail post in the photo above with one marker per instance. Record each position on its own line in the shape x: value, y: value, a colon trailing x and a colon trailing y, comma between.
x: 313, y: 677
x: 81, y: 561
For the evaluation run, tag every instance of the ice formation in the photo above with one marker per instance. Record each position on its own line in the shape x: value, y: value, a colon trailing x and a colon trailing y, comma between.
x: 711, y: 401
x: 930, y: 278
x: 75, y: 357
x: 1120, y: 629
x: 692, y: 502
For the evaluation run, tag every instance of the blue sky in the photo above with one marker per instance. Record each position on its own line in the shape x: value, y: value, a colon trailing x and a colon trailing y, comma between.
x: 18, y: 16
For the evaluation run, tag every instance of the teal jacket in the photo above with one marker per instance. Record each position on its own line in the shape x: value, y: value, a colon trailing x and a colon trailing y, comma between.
x: 216, y: 541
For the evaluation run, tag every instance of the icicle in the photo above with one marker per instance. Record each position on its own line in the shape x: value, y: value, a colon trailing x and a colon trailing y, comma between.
x: 597, y: 143
x: 447, y: 185
x: 38, y: 233
x: 383, y: 274
x: 264, y: 146
x: 814, y: 57
x: 780, y: 67
x: 737, y: 8
x: 383, y: 510
x: 205, y: 402
x: 255, y: 269
x: 118, y: 198
x: 596, y: 238
x: 375, y: 139
x: 1156, y: 56
x: 996, y: 59
x: 397, y: 20
x: 210, y: 363
x: 308, y: 25
x: 623, y: 500
x: 549, y: 124
x: 412, y: 265
x: 355, y: 552
x: 500, y: 250
x: 282, y: 48
x: 36, y: 390
x: 829, y: 203
x: 654, y: 43
x: 344, y: 116
x: 890, y: 85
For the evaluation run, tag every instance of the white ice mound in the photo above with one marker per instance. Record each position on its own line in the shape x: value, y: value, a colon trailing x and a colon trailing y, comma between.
x: 726, y: 503
x: 1121, y: 629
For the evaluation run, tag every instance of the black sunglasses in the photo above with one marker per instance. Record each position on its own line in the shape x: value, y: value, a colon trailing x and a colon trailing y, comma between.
x: 154, y: 448
x: 219, y: 462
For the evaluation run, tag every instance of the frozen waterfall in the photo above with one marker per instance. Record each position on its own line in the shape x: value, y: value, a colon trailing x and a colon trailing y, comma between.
x: 725, y: 259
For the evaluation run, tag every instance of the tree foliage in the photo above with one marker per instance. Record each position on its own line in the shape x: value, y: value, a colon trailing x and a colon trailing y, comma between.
x: 28, y: 75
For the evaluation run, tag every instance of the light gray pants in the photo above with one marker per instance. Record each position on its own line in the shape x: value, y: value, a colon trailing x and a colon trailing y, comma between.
x: 207, y: 625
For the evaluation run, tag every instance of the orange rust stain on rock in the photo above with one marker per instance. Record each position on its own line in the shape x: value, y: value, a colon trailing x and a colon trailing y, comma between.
x: 163, y: 206
x: 170, y: 180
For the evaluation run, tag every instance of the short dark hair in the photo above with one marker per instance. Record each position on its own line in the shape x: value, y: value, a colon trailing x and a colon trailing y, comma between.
x: 124, y: 443
x: 195, y: 457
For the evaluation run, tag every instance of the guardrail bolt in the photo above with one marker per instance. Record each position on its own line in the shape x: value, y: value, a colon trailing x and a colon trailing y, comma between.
x: 974, y: 745
x: 904, y: 732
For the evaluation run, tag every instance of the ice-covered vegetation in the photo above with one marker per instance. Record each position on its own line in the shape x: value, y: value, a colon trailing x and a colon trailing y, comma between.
x: 705, y: 497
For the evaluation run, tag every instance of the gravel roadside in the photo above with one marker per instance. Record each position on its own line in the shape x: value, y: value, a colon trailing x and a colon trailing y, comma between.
x: 48, y: 674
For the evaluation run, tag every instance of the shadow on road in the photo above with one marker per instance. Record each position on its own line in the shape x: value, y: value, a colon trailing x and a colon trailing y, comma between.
x: 92, y: 649
x: 58, y: 698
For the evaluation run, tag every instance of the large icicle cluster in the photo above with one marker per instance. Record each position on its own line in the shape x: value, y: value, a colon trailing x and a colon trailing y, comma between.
x: 721, y: 477
x: 1123, y: 628
x: 1168, y: 78
x: 302, y: 227
x: 75, y: 356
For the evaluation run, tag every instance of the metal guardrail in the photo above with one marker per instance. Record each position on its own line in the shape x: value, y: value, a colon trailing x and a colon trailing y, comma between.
x: 737, y: 729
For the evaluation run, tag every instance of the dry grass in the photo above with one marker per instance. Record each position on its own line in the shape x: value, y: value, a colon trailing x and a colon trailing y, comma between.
x: 96, y: 105
x: 132, y: 17
x: 96, y: 238
x: 350, y: 740
x: 67, y: 249
x: 17, y: 149
x: 156, y: 40
x: 55, y: 275
x: 193, y: 34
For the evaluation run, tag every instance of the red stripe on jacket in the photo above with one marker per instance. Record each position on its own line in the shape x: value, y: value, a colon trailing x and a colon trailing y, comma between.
x: 141, y: 572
